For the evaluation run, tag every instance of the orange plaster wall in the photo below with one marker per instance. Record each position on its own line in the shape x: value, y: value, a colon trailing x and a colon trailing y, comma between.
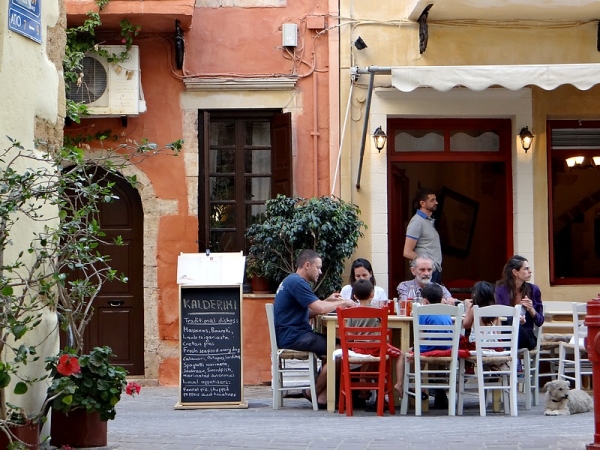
x: 176, y: 234
x: 256, y: 343
x: 248, y: 42
x: 222, y: 42
x: 168, y: 373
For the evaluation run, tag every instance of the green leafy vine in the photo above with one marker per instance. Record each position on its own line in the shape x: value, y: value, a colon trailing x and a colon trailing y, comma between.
x: 81, y: 40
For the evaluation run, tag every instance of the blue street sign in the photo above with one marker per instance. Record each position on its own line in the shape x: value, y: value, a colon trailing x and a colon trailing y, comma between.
x: 24, y: 18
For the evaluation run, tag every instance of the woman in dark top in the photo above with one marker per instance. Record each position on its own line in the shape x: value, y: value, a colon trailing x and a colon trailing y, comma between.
x: 514, y: 289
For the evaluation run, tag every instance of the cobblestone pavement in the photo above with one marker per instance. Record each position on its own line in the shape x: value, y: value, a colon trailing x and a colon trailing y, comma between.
x: 150, y: 422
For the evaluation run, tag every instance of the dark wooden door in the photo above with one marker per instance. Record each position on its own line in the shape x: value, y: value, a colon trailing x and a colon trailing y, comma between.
x: 118, y: 319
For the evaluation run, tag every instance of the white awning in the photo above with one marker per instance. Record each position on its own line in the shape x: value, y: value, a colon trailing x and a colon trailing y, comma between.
x: 478, y: 78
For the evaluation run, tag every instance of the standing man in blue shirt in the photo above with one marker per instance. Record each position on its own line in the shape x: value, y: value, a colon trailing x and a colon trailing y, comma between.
x: 295, y: 304
x: 421, y: 236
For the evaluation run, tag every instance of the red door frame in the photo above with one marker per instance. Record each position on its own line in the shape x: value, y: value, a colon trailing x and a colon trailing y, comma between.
x: 503, y: 127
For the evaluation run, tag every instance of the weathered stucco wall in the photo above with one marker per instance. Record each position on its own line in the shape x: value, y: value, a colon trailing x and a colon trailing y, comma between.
x: 33, y: 109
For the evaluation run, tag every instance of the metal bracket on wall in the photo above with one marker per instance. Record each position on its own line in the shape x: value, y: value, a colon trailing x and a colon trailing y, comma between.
x: 424, y: 29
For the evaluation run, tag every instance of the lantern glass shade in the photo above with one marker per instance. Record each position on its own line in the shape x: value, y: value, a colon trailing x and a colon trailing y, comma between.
x: 575, y: 161
x: 380, y: 138
x: 526, y: 138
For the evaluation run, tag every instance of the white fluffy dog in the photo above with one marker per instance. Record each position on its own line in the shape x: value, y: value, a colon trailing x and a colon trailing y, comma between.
x: 562, y: 401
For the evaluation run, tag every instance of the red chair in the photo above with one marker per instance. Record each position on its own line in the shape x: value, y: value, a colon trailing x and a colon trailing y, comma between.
x: 363, y: 330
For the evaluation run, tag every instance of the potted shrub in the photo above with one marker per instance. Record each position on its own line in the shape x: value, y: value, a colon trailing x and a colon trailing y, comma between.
x: 83, y: 394
x: 259, y: 281
x: 327, y: 225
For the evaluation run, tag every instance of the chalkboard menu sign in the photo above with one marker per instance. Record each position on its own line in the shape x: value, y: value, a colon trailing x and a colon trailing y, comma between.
x: 211, y: 347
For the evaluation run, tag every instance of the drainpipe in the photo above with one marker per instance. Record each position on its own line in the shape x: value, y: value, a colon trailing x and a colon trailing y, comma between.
x: 365, y: 125
x: 372, y: 71
x: 315, y: 132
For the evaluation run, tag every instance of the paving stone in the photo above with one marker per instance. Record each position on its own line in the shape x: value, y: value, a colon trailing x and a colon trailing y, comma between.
x: 149, y: 422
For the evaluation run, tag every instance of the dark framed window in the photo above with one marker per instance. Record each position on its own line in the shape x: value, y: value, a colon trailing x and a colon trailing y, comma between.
x: 245, y: 159
x: 574, y: 201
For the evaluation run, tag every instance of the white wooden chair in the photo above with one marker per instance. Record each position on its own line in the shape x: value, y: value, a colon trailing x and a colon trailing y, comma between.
x: 574, y: 369
x: 494, y: 369
x: 433, y: 372
x: 280, y: 367
x: 531, y: 369
x: 550, y: 335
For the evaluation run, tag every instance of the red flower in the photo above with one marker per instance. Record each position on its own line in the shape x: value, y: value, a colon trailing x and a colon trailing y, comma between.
x: 132, y: 388
x: 68, y: 365
x: 123, y: 40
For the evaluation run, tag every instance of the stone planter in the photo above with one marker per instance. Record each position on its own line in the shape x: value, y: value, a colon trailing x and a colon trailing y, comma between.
x: 79, y: 429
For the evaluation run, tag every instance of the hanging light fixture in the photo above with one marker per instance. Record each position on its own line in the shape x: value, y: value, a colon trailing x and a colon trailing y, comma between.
x: 575, y: 161
x: 526, y: 138
x: 380, y: 138
x: 583, y: 162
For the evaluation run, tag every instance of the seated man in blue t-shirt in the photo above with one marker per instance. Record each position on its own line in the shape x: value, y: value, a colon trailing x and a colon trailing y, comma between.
x: 432, y: 293
x: 295, y: 304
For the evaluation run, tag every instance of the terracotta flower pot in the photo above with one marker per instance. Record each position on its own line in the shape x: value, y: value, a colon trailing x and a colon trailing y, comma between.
x: 78, y: 428
x: 29, y: 434
x: 261, y: 285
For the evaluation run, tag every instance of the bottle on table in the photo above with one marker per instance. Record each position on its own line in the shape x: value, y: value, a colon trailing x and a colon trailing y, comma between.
x: 412, y: 294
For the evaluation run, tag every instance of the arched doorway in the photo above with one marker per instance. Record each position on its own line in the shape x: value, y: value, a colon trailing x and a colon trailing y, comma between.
x: 118, y: 319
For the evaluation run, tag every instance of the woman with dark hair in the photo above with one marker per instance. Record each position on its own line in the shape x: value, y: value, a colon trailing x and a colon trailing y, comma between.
x: 361, y: 269
x: 482, y: 296
x: 514, y: 289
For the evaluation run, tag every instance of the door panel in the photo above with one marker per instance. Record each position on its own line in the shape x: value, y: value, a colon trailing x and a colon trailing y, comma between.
x: 281, y: 151
x: 118, y: 319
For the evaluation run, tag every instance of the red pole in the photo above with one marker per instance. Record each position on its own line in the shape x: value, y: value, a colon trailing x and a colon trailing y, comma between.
x: 592, y: 321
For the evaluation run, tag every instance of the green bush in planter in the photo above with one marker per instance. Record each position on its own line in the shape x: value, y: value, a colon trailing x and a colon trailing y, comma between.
x: 327, y: 225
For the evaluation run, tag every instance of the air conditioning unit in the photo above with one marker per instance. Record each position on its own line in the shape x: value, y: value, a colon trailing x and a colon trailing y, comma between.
x: 110, y: 89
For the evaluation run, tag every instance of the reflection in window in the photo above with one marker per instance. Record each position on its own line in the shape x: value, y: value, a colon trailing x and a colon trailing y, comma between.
x: 474, y: 141
x: 575, y: 198
x: 257, y: 161
x: 258, y: 134
x: 222, y: 215
x: 223, y: 241
x: 255, y: 214
x: 222, y: 161
x: 222, y: 133
x: 258, y: 188
x: 222, y: 188
x: 419, y: 141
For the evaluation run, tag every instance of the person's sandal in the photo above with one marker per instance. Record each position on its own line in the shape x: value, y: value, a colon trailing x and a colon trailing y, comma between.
x: 306, y: 395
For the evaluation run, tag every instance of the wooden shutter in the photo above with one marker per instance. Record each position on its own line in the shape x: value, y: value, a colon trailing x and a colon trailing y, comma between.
x: 281, y: 154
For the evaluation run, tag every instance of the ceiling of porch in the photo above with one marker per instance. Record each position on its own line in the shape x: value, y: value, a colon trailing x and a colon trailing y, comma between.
x: 501, y: 10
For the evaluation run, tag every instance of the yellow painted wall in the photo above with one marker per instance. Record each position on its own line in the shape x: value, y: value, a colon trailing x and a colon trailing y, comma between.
x: 32, y: 107
x: 393, y: 41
